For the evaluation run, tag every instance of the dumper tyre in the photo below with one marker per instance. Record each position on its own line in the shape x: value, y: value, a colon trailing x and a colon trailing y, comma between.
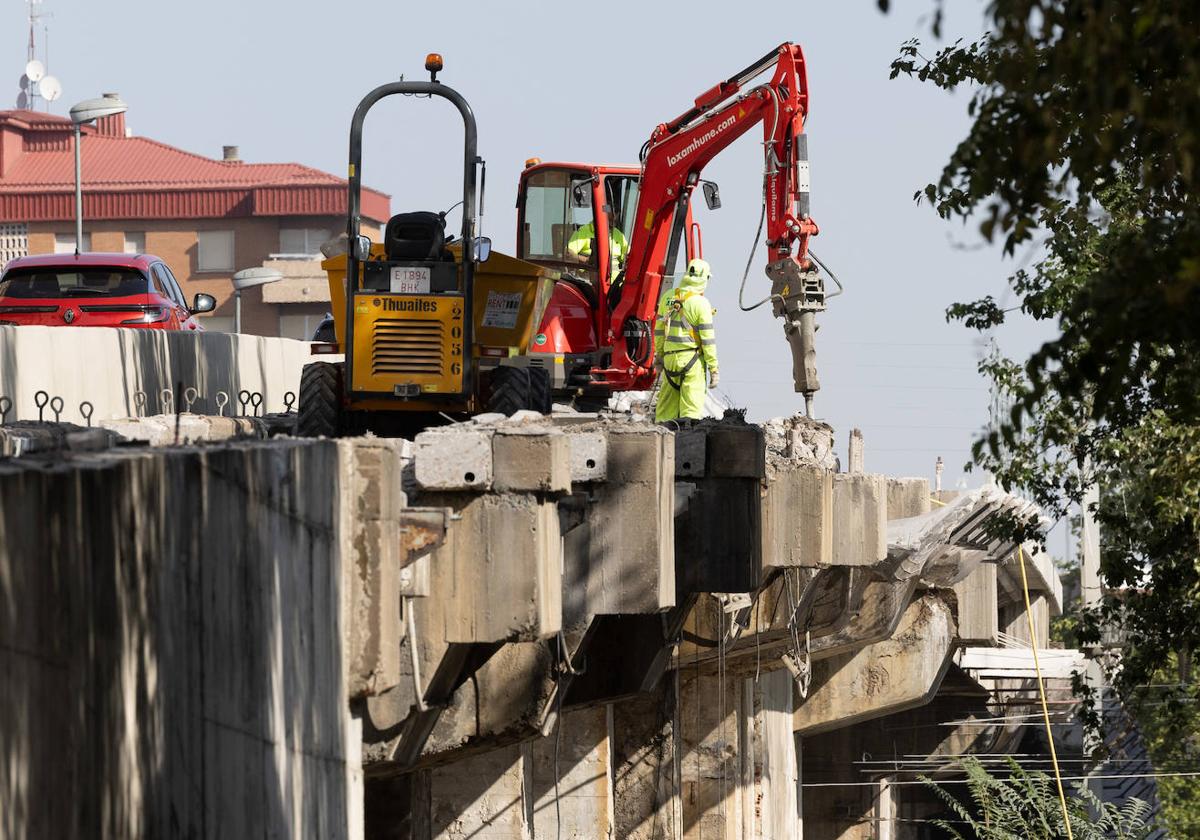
x: 320, y: 413
x: 541, y: 396
x: 510, y: 390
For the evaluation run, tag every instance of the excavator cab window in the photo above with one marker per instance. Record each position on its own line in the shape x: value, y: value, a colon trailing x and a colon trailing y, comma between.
x: 558, y: 205
x: 621, y: 192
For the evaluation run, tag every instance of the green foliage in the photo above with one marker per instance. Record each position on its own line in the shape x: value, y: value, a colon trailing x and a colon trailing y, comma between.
x: 1085, y: 150
x: 1025, y: 805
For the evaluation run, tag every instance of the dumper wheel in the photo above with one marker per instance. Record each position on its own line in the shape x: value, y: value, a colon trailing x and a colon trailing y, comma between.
x: 541, y: 398
x: 510, y: 390
x: 320, y: 413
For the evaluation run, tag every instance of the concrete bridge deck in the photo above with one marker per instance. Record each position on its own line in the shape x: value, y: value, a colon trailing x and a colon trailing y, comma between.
x: 507, y: 628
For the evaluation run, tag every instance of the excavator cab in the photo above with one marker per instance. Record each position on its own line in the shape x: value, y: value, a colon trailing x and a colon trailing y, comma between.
x: 578, y: 219
x: 429, y: 326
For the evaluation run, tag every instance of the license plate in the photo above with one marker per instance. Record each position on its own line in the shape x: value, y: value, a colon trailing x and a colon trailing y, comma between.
x: 413, y: 280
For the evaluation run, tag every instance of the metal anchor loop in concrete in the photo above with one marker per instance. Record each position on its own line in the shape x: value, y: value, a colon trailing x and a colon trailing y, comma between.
x: 166, y: 401
x: 40, y: 399
x: 139, y: 402
x: 222, y: 400
x: 256, y: 400
x: 190, y: 395
x: 289, y: 401
x: 56, y: 405
x: 86, y: 410
x: 5, y: 407
x: 244, y: 400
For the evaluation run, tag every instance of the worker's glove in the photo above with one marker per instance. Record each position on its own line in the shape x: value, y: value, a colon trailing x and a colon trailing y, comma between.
x: 714, y: 376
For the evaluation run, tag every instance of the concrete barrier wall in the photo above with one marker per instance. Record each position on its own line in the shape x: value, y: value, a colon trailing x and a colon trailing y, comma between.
x: 105, y: 366
x: 170, y: 640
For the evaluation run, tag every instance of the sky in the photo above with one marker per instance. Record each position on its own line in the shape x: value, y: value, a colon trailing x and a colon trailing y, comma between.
x: 589, y: 83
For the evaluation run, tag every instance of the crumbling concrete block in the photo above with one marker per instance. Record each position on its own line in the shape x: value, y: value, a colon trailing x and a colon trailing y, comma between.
x: 458, y: 458
x: 27, y: 438
x: 531, y: 459
x: 589, y: 456
x: 161, y: 429
x: 797, y: 518
x: 859, y: 519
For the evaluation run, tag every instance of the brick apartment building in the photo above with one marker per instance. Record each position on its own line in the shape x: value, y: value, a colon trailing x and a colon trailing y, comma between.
x: 206, y: 218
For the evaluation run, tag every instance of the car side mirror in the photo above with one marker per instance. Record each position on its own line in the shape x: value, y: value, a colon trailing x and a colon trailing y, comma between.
x: 712, y: 195
x: 580, y: 196
x: 483, y: 248
x: 362, y: 248
x: 203, y: 303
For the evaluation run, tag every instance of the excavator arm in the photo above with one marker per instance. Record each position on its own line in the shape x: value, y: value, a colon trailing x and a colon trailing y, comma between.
x: 672, y: 161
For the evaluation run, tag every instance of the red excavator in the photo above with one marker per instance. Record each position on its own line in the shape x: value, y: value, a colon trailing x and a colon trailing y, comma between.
x: 599, y: 325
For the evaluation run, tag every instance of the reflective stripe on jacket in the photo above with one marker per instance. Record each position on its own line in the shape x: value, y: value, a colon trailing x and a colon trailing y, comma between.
x: 683, y: 326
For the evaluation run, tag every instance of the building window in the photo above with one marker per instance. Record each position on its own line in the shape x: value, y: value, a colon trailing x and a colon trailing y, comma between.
x: 14, y: 242
x: 135, y: 242
x: 300, y: 327
x: 216, y: 323
x: 214, y: 251
x: 302, y: 242
x: 64, y: 243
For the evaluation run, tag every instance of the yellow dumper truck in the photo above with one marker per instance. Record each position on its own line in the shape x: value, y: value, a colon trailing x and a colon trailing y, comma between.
x: 428, y: 326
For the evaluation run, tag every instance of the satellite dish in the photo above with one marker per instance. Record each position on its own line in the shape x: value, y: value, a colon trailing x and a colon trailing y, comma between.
x: 35, y: 70
x: 24, y: 83
x: 50, y: 88
x: 22, y: 100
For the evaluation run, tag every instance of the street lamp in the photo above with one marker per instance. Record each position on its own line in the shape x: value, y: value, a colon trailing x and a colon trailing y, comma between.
x: 248, y: 278
x: 86, y: 112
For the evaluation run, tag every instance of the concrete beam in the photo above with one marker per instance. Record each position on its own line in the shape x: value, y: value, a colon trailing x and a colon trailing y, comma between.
x: 719, y: 537
x: 859, y: 519
x: 797, y: 519
x: 622, y: 554
x: 531, y: 459
x: 370, y: 500
x: 454, y: 458
x: 907, y: 497
x: 978, y: 612
x: 889, y: 676
x: 499, y: 573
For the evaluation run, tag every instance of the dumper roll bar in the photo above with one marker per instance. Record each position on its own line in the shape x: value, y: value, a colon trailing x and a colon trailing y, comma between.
x: 354, y: 210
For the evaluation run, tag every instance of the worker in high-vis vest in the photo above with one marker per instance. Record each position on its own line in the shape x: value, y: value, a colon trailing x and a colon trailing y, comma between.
x: 685, y: 347
x: 580, y: 245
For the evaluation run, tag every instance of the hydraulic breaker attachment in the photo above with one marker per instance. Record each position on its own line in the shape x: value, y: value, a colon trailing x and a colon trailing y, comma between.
x: 797, y: 295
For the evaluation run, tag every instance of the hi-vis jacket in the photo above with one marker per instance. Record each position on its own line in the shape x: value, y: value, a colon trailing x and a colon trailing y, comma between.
x: 683, y: 331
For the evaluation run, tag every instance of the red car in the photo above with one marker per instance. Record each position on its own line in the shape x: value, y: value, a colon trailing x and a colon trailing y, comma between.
x: 97, y: 290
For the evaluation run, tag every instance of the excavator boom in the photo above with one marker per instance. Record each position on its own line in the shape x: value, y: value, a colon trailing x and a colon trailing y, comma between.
x: 672, y: 161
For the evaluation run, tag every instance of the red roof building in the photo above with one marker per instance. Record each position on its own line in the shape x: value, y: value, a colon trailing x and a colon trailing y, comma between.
x: 207, y: 218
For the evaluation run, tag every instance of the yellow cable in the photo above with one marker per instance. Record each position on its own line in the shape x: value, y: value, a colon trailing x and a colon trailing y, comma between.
x: 939, y: 502
x: 1062, y: 797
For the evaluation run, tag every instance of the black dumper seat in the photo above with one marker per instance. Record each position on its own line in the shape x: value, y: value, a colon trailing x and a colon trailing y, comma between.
x: 420, y: 235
